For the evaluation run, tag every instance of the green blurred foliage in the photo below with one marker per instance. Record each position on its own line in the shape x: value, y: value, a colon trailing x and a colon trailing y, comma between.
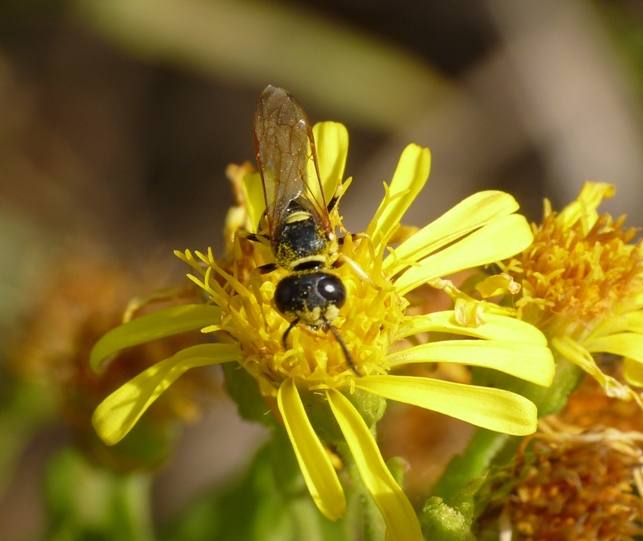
x: 270, y: 503
x: 93, y: 504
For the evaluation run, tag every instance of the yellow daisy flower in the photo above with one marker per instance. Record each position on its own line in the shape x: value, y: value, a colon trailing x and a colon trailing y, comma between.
x: 373, y: 323
x: 582, y: 285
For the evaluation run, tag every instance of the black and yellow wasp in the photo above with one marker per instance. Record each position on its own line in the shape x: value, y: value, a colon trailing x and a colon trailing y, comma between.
x: 300, y: 231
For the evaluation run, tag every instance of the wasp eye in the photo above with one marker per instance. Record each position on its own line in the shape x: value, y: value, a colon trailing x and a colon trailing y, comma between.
x: 332, y: 289
x: 285, y: 294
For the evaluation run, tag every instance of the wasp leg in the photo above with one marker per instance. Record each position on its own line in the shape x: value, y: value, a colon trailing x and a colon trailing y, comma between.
x: 339, y: 191
x: 263, y: 239
x: 265, y: 269
x: 253, y: 237
x: 284, y: 339
x: 353, y: 236
x: 341, y: 259
x: 356, y: 269
x: 340, y: 340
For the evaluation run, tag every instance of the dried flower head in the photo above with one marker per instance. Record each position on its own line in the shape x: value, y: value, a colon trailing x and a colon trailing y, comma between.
x: 572, y: 488
x: 582, y: 285
x: 85, y: 298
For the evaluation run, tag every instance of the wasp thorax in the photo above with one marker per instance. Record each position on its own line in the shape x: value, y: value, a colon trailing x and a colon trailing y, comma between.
x: 314, y: 298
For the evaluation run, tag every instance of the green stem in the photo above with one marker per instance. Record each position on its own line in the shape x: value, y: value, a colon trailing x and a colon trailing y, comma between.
x: 475, y: 460
x: 488, y: 448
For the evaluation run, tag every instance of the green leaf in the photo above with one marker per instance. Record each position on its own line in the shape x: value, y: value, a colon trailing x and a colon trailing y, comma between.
x: 244, y: 390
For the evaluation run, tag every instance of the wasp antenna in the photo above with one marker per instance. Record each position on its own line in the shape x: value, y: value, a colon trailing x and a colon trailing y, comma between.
x: 284, y: 339
x: 349, y: 358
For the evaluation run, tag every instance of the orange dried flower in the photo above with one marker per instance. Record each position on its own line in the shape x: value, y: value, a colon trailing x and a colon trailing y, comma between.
x: 86, y: 298
x: 572, y: 488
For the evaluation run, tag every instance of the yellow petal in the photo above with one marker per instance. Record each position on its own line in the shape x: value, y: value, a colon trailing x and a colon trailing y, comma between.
x: 526, y: 361
x: 627, y: 344
x: 331, y: 139
x: 167, y: 322
x: 498, y: 284
x: 255, y: 198
x: 633, y: 372
x: 584, y: 208
x: 496, y: 241
x: 319, y: 474
x: 399, y: 517
x: 118, y: 413
x: 409, y: 178
x: 572, y: 350
x: 497, y: 327
x: 631, y: 321
x: 494, y: 409
x: 474, y: 212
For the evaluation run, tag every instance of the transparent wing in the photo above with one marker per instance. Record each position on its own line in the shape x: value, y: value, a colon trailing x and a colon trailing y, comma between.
x: 286, y: 157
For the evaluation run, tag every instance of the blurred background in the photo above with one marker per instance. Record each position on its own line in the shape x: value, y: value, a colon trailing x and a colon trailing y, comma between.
x: 118, y: 119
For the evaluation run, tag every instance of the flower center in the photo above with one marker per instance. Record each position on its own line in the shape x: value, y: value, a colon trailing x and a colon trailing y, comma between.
x: 579, y: 277
x: 366, y: 322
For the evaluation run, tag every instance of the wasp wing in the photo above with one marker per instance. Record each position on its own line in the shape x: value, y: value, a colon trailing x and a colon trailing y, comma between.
x: 287, y: 158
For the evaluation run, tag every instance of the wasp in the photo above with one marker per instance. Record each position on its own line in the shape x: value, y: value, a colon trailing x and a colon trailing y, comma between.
x: 300, y: 231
